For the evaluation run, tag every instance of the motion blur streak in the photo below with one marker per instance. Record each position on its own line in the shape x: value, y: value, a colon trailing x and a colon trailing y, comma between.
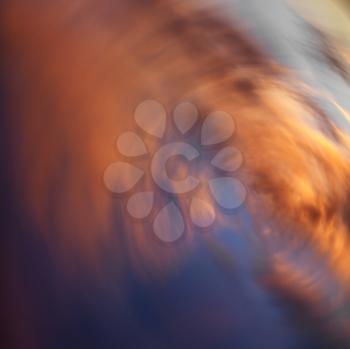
x: 75, y: 72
